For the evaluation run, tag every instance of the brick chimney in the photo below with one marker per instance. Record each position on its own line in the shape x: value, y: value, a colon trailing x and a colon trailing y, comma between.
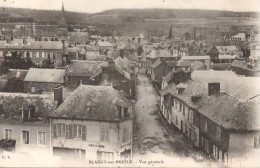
x: 58, y: 94
x: 213, y: 88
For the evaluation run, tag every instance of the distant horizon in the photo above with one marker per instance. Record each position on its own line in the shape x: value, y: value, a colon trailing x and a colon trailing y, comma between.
x: 97, y: 6
x: 129, y: 9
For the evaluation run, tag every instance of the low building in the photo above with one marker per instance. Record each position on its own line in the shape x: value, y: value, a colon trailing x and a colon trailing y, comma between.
x: 43, y: 80
x: 24, y: 119
x: 221, y: 120
x: 104, y: 47
x: 37, y: 51
x: 80, y: 71
x: 94, y: 123
x: 203, y: 59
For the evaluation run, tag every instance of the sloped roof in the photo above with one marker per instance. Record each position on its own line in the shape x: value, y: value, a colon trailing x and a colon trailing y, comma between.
x: 243, y: 88
x: 156, y: 63
x: 92, y: 102
x: 85, y: 68
x: 226, y: 49
x: 206, y: 57
x: 105, y: 44
x: 45, y: 75
x: 223, y: 109
x: 239, y: 35
x: 159, y: 54
x: 239, y: 64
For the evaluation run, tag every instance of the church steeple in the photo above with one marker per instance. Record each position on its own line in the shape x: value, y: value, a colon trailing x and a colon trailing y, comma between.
x: 62, y: 21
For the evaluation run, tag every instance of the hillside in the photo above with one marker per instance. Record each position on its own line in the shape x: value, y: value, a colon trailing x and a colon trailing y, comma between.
x: 118, y: 16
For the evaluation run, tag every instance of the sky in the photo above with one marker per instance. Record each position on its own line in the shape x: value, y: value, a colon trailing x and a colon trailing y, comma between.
x: 93, y: 6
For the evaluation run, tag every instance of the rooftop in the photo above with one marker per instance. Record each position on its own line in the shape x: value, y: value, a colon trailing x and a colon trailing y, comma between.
x: 92, y: 102
x: 85, y: 68
x: 45, y: 75
x: 223, y: 109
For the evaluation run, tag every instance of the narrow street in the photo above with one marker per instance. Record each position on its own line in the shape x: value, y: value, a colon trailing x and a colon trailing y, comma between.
x: 152, y: 136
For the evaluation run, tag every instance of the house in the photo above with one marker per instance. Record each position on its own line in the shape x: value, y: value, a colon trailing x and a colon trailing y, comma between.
x: 180, y: 72
x: 238, y: 39
x: 78, y: 37
x: 104, y: 47
x: 24, y: 121
x: 37, y: 51
x: 201, y: 109
x: 94, y: 123
x: 223, y: 54
x: 157, y: 71
x: 80, y: 71
x: 205, y: 60
x: 43, y: 80
x: 118, y: 79
x: 211, y: 126
x: 246, y: 68
x: 155, y: 54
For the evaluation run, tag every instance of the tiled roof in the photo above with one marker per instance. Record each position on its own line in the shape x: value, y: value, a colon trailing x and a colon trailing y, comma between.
x: 85, y: 68
x: 45, y: 75
x: 92, y: 102
x: 223, y: 109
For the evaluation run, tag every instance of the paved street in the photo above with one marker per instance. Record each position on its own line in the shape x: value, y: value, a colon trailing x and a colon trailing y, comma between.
x: 152, y: 136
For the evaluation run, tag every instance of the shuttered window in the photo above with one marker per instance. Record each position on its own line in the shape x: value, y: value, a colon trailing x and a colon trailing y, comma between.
x: 84, y: 133
x: 55, y: 130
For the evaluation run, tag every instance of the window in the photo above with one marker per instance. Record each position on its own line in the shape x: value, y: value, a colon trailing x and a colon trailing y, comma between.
x: 126, y: 134
x: 7, y: 133
x: 104, y: 134
x: 176, y: 121
x: 205, y: 125
x: 218, y: 132
x: 256, y: 141
x: 183, y: 110
x: 105, y: 156
x: 25, y: 137
x: 215, y: 151
x: 220, y: 158
x: 42, y: 138
x: 191, y: 116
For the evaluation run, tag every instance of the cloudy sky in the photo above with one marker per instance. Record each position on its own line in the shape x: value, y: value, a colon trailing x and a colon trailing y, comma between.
x: 92, y: 6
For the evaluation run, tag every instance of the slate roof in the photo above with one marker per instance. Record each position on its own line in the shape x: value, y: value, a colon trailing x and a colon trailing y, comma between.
x: 85, y: 68
x: 223, y: 109
x: 45, y: 75
x: 242, y: 89
x: 103, y: 100
x: 156, y: 63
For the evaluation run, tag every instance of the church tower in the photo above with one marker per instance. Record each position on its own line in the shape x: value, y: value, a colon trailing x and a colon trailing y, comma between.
x: 62, y: 21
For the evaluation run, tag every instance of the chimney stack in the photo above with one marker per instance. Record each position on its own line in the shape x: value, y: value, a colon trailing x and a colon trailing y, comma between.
x: 213, y: 88
x: 58, y: 94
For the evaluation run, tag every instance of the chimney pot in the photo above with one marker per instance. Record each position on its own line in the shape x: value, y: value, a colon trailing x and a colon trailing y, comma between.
x: 58, y: 94
x: 213, y: 88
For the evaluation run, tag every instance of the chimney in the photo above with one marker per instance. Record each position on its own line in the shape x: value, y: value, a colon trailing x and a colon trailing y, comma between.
x: 58, y: 95
x: 213, y: 88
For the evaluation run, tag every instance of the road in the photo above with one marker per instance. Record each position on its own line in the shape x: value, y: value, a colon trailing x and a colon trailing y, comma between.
x: 152, y: 137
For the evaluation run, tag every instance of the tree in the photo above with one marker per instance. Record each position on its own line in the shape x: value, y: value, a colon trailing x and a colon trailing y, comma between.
x: 16, y: 61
